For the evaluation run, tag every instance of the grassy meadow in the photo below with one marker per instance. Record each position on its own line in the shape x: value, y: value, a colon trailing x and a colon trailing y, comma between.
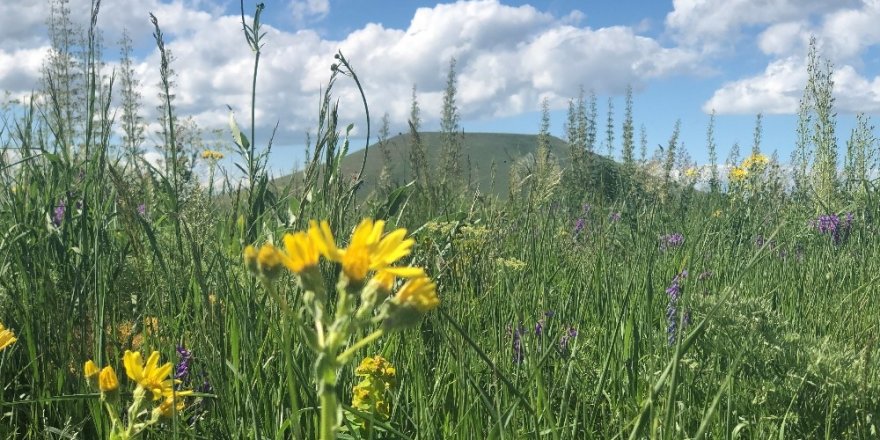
x: 578, y: 297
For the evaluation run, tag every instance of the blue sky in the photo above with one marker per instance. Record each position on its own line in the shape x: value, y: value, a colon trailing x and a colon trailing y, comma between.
x: 683, y: 58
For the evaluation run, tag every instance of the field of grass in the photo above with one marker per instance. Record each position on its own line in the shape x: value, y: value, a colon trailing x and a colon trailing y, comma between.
x: 657, y: 310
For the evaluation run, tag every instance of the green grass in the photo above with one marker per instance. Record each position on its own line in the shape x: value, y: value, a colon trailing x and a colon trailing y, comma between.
x: 782, y: 340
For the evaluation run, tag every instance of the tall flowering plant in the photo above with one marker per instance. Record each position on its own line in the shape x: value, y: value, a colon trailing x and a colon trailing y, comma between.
x: 366, y: 297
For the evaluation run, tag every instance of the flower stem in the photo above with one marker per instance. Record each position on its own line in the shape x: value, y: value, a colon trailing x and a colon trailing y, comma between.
x: 343, y: 358
x: 328, y: 411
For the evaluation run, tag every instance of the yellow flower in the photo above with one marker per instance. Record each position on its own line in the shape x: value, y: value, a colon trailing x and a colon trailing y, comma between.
x: 250, y: 258
x: 691, y: 172
x: 717, y: 213
x: 373, y: 393
x: 7, y: 338
x: 370, y: 250
x: 300, y: 251
x: 150, y: 376
x: 418, y: 293
x: 738, y: 174
x: 107, y: 380
x: 212, y: 155
x: 90, y: 370
x: 756, y: 161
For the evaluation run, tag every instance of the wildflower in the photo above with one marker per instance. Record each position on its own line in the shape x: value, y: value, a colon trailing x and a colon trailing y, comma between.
x: 614, y: 217
x: 58, y: 214
x: 513, y: 264
x: 759, y: 240
x: 755, y: 161
x: 831, y: 225
x: 419, y: 293
x: 517, y: 345
x: 250, y: 258
x: 737, y: 174
x: 269, y: 260
x: 579, y: 226
x: 212, y: 155
x: 717, y: 213
x: 586, y: 209
x: 566, y: 338
x: 300, y: 252
x: 142, y: 209
x: 181, y: 373
x: 170, y: 405
x: 671, y: 241
x: 691, y: 173
x: 7, y: 338
x: 674, y: 292
x: 373, y: 393
x: 370, y: 250
x: 91, y: 370
x: 150, y: 376
x: 107, y: 380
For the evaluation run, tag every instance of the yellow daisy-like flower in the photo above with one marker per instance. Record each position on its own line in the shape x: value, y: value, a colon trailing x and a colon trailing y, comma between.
x: 418, y: 293
x: 738, y: 174
x: 7, y: 338
x: 150, y: 376
x: 269, y: 260
x: 212, y: 155
x: 370, y: 250
x: 691, y: 172
x: 250, y: 258
x: 300, y: 252
x: 107, y: 380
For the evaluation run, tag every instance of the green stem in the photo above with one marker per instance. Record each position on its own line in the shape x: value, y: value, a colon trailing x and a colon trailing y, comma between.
x: 346, y: 355
x: 328, y: 411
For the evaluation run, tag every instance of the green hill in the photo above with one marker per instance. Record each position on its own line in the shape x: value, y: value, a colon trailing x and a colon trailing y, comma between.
x: 479, y: 150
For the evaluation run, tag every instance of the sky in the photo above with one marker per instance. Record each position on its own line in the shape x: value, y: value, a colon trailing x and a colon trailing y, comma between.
x: 683, y: 59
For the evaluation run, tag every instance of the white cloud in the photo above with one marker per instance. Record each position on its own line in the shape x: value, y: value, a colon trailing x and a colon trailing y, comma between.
x: 508, y: 58
x: 777, y: 90
x: 309, y: 10
x: 714, y: 24
x: 844, y: 31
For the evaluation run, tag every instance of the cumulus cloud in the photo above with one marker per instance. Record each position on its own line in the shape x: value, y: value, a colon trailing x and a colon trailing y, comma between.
x: 844, y: 30
x: 508, y: 58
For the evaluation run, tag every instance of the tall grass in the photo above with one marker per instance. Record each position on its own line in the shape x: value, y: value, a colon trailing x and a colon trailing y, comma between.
x: 779, y: 340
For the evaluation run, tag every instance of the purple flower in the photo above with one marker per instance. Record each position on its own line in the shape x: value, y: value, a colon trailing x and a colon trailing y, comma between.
x: 182, y: 371
x: 579, y: 226
x: 830, y: 224
x: 759, y: 240
x: 671, y: 241
x: 539, y: 328
x: 142, y: 209
x: 566, y: 338
x: 614, y: 217
x: 58, y: 216
x: 518, y: 352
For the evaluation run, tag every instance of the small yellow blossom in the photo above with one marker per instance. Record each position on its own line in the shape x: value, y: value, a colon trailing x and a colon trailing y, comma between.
x: 757, y: 161
x: 691, y: 172
x: 91, y: 370
x: 107, y: 380
x: 150, y: 376
x: 269, y: 260
x: 7, y: 338
x: 250, y: 258
x: 717, y: 213
x: 737, y: 174
x: 419, y: 293
x: 212, y: 155
x: 373, y: 393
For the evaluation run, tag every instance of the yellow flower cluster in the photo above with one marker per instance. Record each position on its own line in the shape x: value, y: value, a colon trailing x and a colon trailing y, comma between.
x: 212, y: 155
x: 691, y: 172
x: 738, y: 174
x: 153, y: 383
x: 370, y: 251
x: 373, y: 393
x: 756, y: 161
x: 7, y: 338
